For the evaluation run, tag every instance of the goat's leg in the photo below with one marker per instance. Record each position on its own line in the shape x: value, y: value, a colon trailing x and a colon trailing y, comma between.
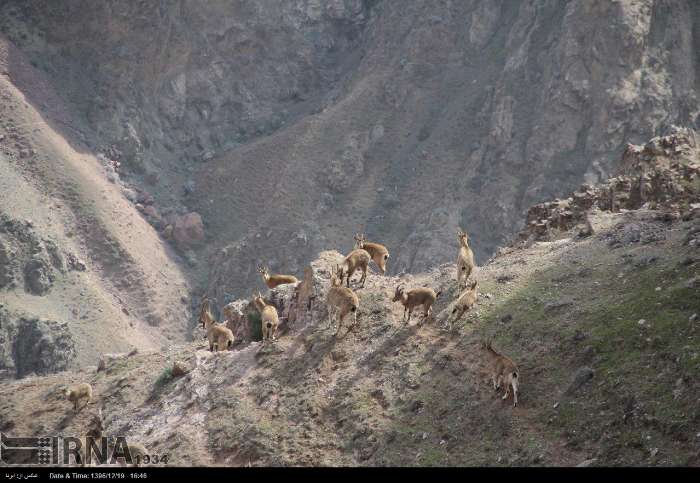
x: 340, y: 323
x: 505, y: 396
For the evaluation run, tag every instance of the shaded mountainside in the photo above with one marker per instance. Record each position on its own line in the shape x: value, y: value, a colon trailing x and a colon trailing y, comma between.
x: 81, y: 271
x: 290, y: 124
x: 602, y: 322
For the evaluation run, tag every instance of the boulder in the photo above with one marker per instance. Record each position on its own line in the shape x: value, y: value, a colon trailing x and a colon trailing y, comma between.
x: 37, y: 276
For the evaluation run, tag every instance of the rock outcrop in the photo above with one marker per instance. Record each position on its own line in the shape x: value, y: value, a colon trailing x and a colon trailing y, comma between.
x: 663, y: 174
x: 33, y: 346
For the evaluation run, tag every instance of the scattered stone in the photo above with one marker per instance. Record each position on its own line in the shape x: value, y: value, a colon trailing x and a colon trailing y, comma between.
x: 581, y: 377
x: 179, y: 369
x: 693, y: 318
x: 586, y: 463
x: 557, y: 304
x: 505, y: 278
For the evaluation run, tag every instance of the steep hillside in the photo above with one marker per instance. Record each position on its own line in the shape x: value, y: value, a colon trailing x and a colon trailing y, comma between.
x: 288, y: 125
x: 601, y: 317
x: 81, y: 271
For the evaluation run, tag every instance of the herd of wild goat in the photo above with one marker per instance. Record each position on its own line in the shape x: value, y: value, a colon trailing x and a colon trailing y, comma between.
x: 342, y: 300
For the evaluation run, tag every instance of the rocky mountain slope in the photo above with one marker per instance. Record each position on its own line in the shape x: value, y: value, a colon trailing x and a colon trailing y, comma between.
x: 288, y: 125
x: 600, y: 313
x: 81, y: 271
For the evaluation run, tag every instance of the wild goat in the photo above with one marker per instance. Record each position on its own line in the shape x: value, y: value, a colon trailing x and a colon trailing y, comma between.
x: 378, y: 252
x: 219, y: 336
x: 274, y: 280
x: 502, y: 369
x: 465, y: 301
x: 465, y: 259
x: 77, y: 392
x: 340, y: 300
x: 414, y: 298
x: 356, y: 259
x: 205, y: 310
x: 268, y: 317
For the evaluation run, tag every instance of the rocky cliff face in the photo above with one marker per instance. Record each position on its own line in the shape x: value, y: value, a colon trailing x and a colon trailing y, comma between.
x: 290, y: 125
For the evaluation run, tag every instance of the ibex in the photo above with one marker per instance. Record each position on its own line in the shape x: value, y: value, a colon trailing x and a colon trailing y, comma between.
x: 356, y: 259
x: 274, y: 280
x: 340, y: 300
x: 378, y: 252
x: 465, y: 259
x: 219, y: 336
x: 502, y: 369
x: 268, y: 317
x: 414, y: 298
x: 465, y: 301
x: 78, y: 392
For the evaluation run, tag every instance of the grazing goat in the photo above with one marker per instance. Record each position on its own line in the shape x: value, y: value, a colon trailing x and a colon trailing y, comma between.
x: 414, y: 298
x: 340, y: 301
x: 502, y: 369
x: 357, y: 259
x: 465, y: 259
x: 268, y: 317
x: 378, y: 252
x: 274, y: 280
x: 219, y: 336
x: 465, y: 301
x: 77, y: 392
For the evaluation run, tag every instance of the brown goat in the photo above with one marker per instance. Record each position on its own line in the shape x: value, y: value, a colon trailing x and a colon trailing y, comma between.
x: 220, y: 336
x: 465, y: 259
x: 340, y: 300
x: 357, y: 259
x: 378, y: 252
x: 273, y: 281
x: 502, y: 369
x: 269, y: 319
x: 415, y: 298
x: 77, y: 393
x: 465, y: 301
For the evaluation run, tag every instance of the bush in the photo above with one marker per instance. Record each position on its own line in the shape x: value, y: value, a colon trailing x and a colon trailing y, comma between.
x: 165, y: 377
